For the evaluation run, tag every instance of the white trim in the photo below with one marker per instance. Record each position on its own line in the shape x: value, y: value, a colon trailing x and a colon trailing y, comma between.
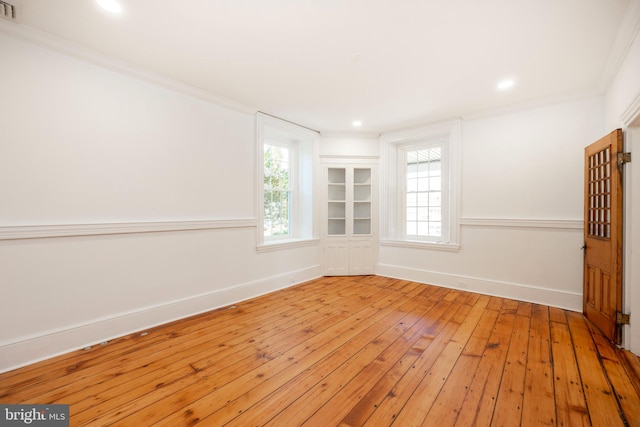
x: 449, y: 247
x: 332, y: 158
x: 72, y: 230
x: 304, y: 221
x: 559, y: 224
x: 391, y: 188
x: 548, y: 101
x: 30, y: 349
x: 523, y: 224
x: 359, y: 135
x: 68, y: 48
x: 442, y: 129
x: 518, y: 291
x: 627, y: 32
x: 630, y: 119
x: 631, y: 116
x: 277, y: 245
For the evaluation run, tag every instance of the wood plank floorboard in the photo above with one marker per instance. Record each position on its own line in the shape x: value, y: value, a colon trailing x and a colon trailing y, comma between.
x: 348, y: 351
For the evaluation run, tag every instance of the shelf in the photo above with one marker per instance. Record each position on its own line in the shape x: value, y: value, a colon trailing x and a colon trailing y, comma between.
x: 362, y: 176
x: 337, y: 192
x: 362, y: 193
x: 336, y: 227
x: 362, y: 210
x: 337, y: 175
x: 362, y: 226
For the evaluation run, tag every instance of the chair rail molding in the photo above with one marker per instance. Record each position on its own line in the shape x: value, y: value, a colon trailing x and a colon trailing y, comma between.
x: 17, y: 232
x: 556, y: 224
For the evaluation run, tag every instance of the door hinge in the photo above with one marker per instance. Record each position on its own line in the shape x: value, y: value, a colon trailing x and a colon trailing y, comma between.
x: 623, y: 319
x: 624, y: 158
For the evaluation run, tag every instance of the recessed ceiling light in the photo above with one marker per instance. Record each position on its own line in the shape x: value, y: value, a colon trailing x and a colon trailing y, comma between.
x: 110, y: 6
x: 357, y: 123
x: 505, y: 84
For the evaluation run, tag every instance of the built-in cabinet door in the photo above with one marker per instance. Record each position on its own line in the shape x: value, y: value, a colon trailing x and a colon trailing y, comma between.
x: 361, y: 201
x: 336, y: 259
x: 349, y: 201
x: 337, y: 201
x: 349, y: 235
x: 361, y: 258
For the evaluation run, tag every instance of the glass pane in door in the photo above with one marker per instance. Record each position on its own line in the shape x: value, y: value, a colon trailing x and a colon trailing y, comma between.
x: 337, y: 201
x: 361, y: 201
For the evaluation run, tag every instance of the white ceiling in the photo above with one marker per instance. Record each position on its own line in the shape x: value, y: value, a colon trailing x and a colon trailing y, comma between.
x: 389, y: 63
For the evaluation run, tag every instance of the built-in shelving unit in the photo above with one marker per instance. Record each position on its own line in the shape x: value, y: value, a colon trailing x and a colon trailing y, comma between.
x: 349, y: 239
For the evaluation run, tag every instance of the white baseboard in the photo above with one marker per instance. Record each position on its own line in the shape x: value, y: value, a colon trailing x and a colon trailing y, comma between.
x: 535, y: 294
x: 27, y: 350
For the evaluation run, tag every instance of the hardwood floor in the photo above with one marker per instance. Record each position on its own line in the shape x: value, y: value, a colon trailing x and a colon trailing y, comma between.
x: 348, y: 351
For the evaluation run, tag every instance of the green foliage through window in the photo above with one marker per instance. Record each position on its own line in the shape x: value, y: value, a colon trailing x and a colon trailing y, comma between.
x: 277, y: 191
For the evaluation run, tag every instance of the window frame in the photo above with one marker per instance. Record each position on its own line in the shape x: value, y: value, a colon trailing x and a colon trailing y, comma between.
x: 393, y: 186
x: 403, y: 149
x: 303, y: 145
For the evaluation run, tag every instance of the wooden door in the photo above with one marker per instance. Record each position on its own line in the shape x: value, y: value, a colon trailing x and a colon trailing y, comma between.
x: 602, y: 289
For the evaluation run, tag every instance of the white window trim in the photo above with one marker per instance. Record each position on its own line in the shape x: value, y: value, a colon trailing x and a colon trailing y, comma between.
x: 391, y: 211
x: 304, y: 224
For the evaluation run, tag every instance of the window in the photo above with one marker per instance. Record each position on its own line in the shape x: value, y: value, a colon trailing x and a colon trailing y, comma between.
x: 277, y: 191
x: 286, y: 163
x: 419, y: 188
x: 423, y: 188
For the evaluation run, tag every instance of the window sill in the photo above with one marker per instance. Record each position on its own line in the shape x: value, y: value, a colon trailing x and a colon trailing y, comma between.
x: 448, y: 247
x: 278, y: 245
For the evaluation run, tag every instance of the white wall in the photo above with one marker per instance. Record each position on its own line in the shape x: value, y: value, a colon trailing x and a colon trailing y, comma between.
x: 83, y: 144
x: 362, y: 148
x: 623, y: 111
x: 521, y: 208
x: 529, y: 164
x: 86, y: 144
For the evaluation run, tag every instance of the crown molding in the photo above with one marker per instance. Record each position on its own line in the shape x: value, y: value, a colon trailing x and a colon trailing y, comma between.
x: 536, y: 103
x: 631, y: 116
x: 626, y: 36
x: 80, y: 52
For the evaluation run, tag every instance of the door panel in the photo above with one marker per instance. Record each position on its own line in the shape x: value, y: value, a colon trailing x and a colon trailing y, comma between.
x: 602, y: 290
x: 362, y: 257
x: 336, y: 259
